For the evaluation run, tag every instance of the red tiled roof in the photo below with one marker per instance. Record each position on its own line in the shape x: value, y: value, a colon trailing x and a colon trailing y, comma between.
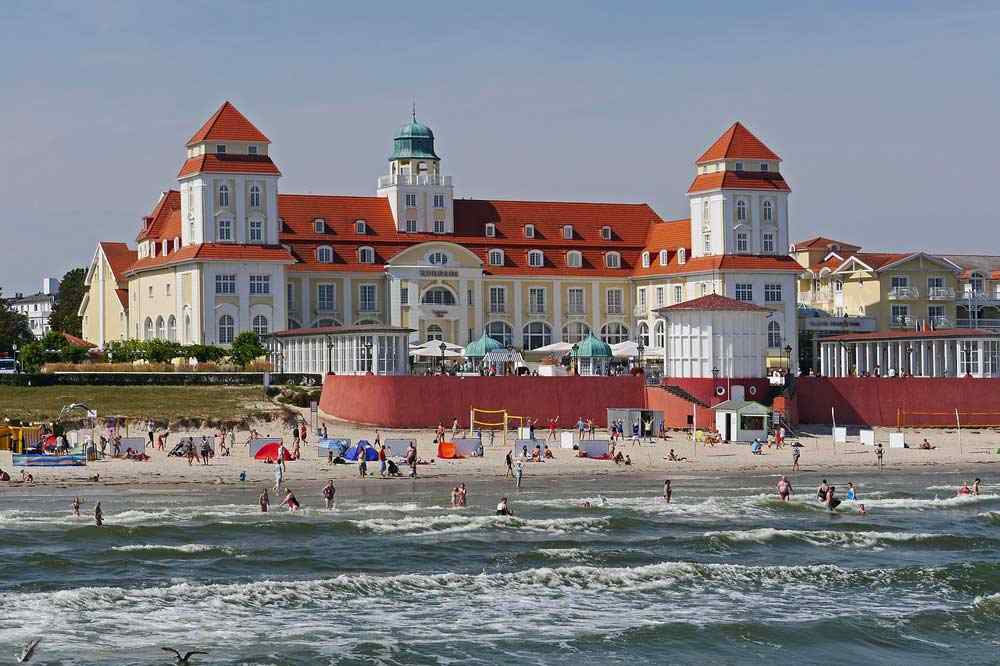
x: 215, y: 251
x: 165, y: 220
x: 228, y: 163
x: 879, y: 259
x: 912, y: 333
x: 228, y: 124
x: 739, y: 180
x: 819, y: 243
x: 78, y: 342
x: 119, y: 257
x: 830, y: 262
x: 714, y: 302
x: 735, y: 143
x: 122, y: 298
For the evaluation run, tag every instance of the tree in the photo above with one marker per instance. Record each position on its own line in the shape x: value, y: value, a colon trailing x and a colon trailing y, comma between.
x: 64, y: 315
x: 204, y: 353
x: 246, y: 347
x: 161, y: 351
x: 14, y: 328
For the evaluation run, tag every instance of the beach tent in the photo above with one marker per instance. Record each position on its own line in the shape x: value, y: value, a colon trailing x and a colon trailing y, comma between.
x: 397, y: 448
x: 257, y: 444
x: 336, y: 445
x: 459, y: 448
x: 269, y: 451
x: 595, y: 448
x: 554, y: 348
x: 362, y: 445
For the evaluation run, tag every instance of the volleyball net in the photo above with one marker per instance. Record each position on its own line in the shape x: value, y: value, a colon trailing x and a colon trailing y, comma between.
x: 953, y: 418
x: 494, y: 419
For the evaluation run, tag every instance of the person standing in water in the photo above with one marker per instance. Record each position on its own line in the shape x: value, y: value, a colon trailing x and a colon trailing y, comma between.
x: 519, y: 474
x: 462, y: 496
x: 851, y: 494
x: 975, y: 486
x: 279, y: 472
x: 509, y: 460
x: 290, y: 501
x: 831, y: 501
x: 263, y: 500
x: 796, y: 453
x: 821, y: 491
x: 76, y: 507
x: 329, y: 491
x: 784, y: 488
x: 98, y: 515
x: 503, y: 508
x: 668, y: 491
x: 879, y: 454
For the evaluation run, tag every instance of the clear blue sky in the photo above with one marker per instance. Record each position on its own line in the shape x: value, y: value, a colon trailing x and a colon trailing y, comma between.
x: 886, y: 117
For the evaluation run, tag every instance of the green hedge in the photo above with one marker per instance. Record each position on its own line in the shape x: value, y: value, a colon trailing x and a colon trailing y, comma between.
x: 157, y: 379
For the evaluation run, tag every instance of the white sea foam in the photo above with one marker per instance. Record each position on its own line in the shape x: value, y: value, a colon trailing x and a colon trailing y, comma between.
x: 459, y: 522
x: 866, y: 540
x: 922, y: 504
x: 571, y: 554
x: 185, y: 548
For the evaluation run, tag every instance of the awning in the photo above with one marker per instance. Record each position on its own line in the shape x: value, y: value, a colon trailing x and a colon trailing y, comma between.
x: 499, y: 357
x: 554, y: 348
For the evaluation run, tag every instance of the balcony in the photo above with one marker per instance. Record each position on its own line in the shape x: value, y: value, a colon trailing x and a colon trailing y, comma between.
x: 413, y: 179
x: 903, y: 293
x: 979, y: 323
x: 901, y: 322
x: 939, y: 322
x: 941, y: 294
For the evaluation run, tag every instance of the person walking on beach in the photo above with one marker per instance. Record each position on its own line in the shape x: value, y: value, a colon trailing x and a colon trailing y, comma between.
x: 328, y: 493
x: 519, y: 474
x: 796, y: 454
x: 279, y: 472
x: 509, y: 460
x: 454, y: 429
x: 98, y: 515
x: 303, y: 432
x: 668, y: 491
x: 580, y: 425
x: 362, y: 463
x: 381, y: 460
x: 552, y: 428
x: 206, y: 450
x: 784, y: 488
x: 76, y: 507
x: 635, y: 433
x: 149, y: 431
x: 879, y: 454
x: 263, y: 500
x: 411, y: 459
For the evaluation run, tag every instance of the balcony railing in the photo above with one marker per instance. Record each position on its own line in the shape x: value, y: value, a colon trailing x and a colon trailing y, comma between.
x: 615, y: 310
x: 498, y: 308
x: 979, y: 323
x: 941, y: 294
x: 413, y: 179
x: 903, y: 293
x: 901, y: 322
x: 939, y: 322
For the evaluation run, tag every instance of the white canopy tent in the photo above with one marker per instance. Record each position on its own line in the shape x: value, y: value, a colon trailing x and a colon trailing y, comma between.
x: 626, y: 349
x: 554, y: 348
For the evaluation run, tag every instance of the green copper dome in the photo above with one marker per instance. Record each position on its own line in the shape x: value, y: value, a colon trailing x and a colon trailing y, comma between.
x: 591, y: 347
x: 414, y: 140
x: 482, y: 346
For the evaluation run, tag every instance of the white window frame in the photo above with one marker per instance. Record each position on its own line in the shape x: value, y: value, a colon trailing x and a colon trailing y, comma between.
x: 774, y: 338
x: 225, y: 284
x: 371, y: 288
x: 498, y: 300
x: 772, y: 293
x: 575, y: 303
x: 744, y: 292
x: 255, y: 196
x: 439, y: 226
x: 439, y: 201
x: 574, y: 259
x: 529, y: 231
x: 360, y: 227
x: 681, y: 255
x: 645, y: 259
x: 437, y: 258
x: 410, y: 200
x: 324, y: 249
x: 255, y: 231
x: 664, y: 257
x: 223, y: 193
x: 536, y: 300
x: 260, y: 285
x: 766, y: 211
x: 567, y: 232
x: 225, y: 231
x: 259, y: 329
x: 767, y: 243
x: 226, y: 329
x: 319, y: 225
x: 490, y: 230
x: 495, y: 257
x: 742, y: 242
x: 614, y: 300
x: 612, y: 259
x: 329, y: 302
x: 605, y: 233
x: 252, y: 149
x: 536, y: 258
x: 410, y: 226
x: 366, y: 254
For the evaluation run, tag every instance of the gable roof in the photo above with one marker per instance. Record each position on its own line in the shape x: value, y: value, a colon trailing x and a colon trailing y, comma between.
x: 120, y: 258
x: 735, y: 143
x: 216, y: 252
x: 228, y: 124
x: 165, y: 220
x: 821, y: 243
x: 739, y: 180
x: 714, y: 302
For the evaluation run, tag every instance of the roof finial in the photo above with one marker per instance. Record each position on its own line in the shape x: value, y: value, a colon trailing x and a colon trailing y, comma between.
x: 413, y: 111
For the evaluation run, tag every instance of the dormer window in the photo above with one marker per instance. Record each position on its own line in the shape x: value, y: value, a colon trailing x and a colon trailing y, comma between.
x: 763, y: 166
x: 574, y: 259
x: 529, y: 231
x: 223, y: 196
x: 165, y: 247
x: 177, y: 244
x: 490, y: 230
x: 645, y: 259
x: 681, y: 256
x: 605, y: 233
x: 738, y: 166
x: 220, y: 148
x: 252, y: 149
x: 613, y: 260
x: 255, y: 196
x: 366, y: 255
x: 567, y: 232
x: 536, y: 259
x: 324, y: 254
x: 360, y: 227
x: 319, y: 226
x: 664, y: 257
x: 495, y: 258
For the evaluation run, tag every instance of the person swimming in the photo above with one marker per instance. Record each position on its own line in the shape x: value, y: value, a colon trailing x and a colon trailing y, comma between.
x: 861, y: 509
x: 503, y: 508
x: 965, y: 490
x: 290, y: 501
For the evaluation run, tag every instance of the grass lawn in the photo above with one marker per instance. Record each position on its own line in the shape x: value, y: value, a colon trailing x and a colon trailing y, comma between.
x: 160, y: 402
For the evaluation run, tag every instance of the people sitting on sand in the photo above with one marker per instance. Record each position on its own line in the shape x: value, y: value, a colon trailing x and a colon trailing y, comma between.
x: 628, y: 460
x: 619, y: 458
x: 536, y: 455
x: 756, y: 448
x: 549, y: 454
x: 392, y: 469
x: 673, y: 457
x: 925, y: 445
x: 26, y: 478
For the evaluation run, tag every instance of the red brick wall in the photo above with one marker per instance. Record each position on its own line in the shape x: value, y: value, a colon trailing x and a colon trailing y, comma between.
x: 677, y: 410
x: 423, y: 402
x: 880, y: 401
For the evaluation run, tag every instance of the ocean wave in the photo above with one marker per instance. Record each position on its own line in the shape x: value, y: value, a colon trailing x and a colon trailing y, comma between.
x: 991, y: 516
x: 867, y: 540
x: 988, y: 605
x: 185, y: 548
x: 922, y: 504
x: 572, y: 554
x: 460, y: 522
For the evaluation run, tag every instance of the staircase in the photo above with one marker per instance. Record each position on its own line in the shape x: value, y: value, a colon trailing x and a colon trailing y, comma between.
x: 682, y: 394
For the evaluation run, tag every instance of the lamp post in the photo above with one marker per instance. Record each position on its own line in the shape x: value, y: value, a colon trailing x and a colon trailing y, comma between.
x: 442, y: 347
x: 17, y: 366
x: 575, y: 359
x: 640, y: 347
x: 788, y: 358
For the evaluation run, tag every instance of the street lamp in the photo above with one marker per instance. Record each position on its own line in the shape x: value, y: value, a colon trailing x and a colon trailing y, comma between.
x: 575, y: 359
x: 640, y: 347
x: 788, y: 357
x: 368, y: 350
x: 442, y: 347
x: 17, y: 366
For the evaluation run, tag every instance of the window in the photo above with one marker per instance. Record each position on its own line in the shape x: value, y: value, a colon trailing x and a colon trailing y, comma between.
x: 411, y: 226
x: 256, y: 231
x: 260, y: 284
x: 742, y: 242
x: 225, y: 230
x: 501, y: 332
x: 574, y: 300
x: 659, y: 296
x: 324, y: 254
x: 644, y: 334
x: 290, y: 301
x: 664, y: 257
x: 529, y: 231
x: 900, y: 314
x: 706, y: 212
x: 772, y: 293
x: 439, y: 226
x: 613, y: 333
x: 434, y: 332
x: 260, y: 326
x: 172, y: 328
x: 255, y: 196
x: 645, y: 259
x: 575, y: 331
x: 163, y: 245
x: 741, y: 210
x: 166, y: 289
x: 574, y: 259
x: 738, y: 166
x: 767, y: 211
x: 439, y: 201
x: 490, y: 230
x: 838, y: 285
x: 536, y: 300
x: 225, y: 284
x: 437, y: 259
x: 899, y: 281
x: 642, y: 300
x: 226, y: 329
x: 969, y: 357
x: 773, y: 335
x: 161, y: 329
x: 615, y: 301
x: 536, y: 334
x: 976, y: 283
x: 763, y: 166
x: 438, y: 296
x: 223, y: 196
x: 707, y: 242
x: 536, y: 259
x: 366, y: 255
x: 613, y: 260
x: 935, y: 313
x: 498, y: 300
x: 567, y: 232
x: 147, y: 329
x: 495, y: 257
x: 220, y: 148
x: 404, y: 296
x: 326, y: 300
x: 187, y: 328
x: 681, y: 256
x: 767, y: 242
x: 411, y: 200
x: 360, y: 227
x: 658, y: 334
x: 367, y: 301
x: 605, y: 233
x: 744, y: 292
x: 252, y: 149
x: 934, y: 283
x: 319, y: 226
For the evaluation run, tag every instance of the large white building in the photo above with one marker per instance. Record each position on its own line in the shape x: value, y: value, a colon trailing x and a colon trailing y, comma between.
x: 38, y: 307
x: 227, y: 252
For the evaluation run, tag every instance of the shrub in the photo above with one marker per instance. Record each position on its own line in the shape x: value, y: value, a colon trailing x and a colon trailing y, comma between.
x: 246, y: 347
x: 205, y: 353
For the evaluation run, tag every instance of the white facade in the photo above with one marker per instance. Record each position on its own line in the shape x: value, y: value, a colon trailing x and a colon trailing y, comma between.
x: 715, y: 343
x: 38, y: 307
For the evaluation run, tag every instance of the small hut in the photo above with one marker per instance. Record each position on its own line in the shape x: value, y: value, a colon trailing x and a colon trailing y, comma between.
x: 478, y: 349
x: 592, y: 356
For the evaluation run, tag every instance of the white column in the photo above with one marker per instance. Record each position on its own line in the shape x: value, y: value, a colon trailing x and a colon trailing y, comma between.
x: 844, y: 362
x: 348, y: 302
x: 518, y: 315
x: 934, y: 362
x: 878, y: 356
x: 395, y: 308
x: 981, y: 349
x: 556, y: 319
x: 306, y: 307
x: 463, y: 317
x: 868, y: 357
x: 822, y: 360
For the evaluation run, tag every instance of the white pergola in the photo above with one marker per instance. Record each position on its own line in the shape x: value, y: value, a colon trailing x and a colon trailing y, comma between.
x: 932, y: 353
x: 342, y: 350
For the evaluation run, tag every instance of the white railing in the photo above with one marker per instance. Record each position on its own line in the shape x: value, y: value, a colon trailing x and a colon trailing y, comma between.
x: 941, y: 293
x: 903, y: 293
x: 978, y: 323
x: 901, y: 322
x: 940, y: 322
x: 414, y: 179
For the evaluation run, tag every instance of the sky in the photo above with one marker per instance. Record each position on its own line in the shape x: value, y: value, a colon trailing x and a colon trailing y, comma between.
x: 885, y: 114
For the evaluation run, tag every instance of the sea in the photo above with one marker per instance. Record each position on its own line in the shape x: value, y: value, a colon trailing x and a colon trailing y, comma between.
x: 725, y: 573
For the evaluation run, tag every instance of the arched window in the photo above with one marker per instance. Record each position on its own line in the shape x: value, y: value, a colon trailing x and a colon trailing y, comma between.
x: 614, y: 332
x: 536, y: 259
x: 254, y: 196
x: 767, y: 211
x: 260, y: 326
x: 324, y: 254
x: 187, y: 328
x: 147, y: 329
x: 664, y: 257
x: 706, y: 210
x: 496, y: 258
x: 741, y: 210
x: 227, y: 328
x: 223, y: 196
x: 773, y: 334
x: 613, y: 260
x: 529, y: 231
x: 319, y: 225
x: 434, y: 332
x: 575, y: 331
x: 501, y: 332
x: 438, y: 296
x: 658, y: 334
x: 645, y: 259
x: 172, y: 328
x: 536, y: 334
x: 574, y: 259
x: 366, y: 255
x: 681, y: 255
x: 644, y: 333
x: 161, y: 329
x: 437, y: 259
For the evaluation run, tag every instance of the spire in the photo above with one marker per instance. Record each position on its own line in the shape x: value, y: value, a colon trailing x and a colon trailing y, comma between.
x: 737, y: 142
x: 413, y: 111
x: 228, y: 124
